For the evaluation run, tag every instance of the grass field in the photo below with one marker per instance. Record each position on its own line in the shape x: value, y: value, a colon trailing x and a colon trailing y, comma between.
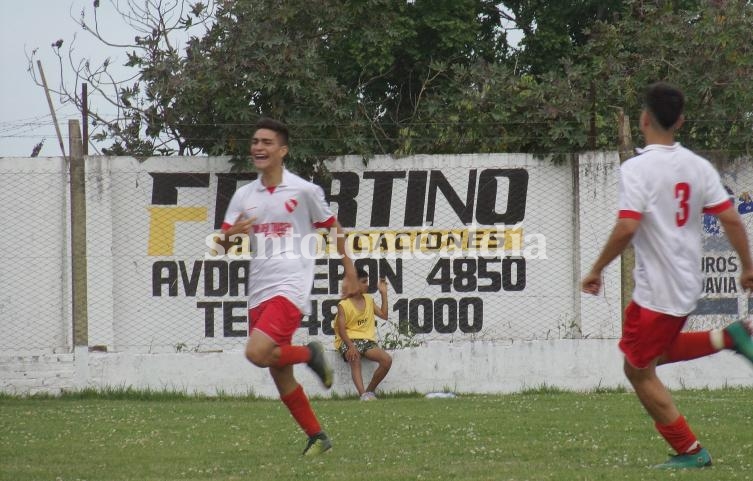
x: 537, y: 435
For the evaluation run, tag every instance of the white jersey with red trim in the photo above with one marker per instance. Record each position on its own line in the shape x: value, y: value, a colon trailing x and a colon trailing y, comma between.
x: 283, y: 245
x: 668, y: 188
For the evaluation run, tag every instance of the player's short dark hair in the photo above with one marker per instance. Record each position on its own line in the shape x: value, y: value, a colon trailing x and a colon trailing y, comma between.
x: 361, y: 273
x: 275, y: 125
x: 665, y: 103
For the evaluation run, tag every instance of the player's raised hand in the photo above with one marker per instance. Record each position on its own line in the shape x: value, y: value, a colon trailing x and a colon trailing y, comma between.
x: 746, y: 279
x: 242, y: 225
x: 227, y: 238
x: 591, y: 284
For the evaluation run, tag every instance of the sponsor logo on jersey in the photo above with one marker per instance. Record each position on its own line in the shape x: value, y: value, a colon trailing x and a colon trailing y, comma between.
x: 274, y: 229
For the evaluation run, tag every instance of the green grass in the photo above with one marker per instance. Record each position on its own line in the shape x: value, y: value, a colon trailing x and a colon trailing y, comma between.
x: 541, y: 434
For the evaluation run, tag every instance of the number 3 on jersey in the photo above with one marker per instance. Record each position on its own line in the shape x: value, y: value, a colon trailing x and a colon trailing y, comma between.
x: 682, y: 194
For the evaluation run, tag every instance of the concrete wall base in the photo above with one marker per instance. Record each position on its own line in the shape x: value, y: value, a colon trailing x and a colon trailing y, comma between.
x: 478, y: 367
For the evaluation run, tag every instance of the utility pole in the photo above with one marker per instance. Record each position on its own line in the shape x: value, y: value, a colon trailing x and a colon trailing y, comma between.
x: 52, y: 110
x: 85, y: 116
x: 78, y: 237
x: 627, y: 259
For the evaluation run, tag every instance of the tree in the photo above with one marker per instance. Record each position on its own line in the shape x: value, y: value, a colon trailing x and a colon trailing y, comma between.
x: 390, y: 77
x: 158, y: 25
x: 347, y: 76
x: 553, y: 30
x: 703, y: 50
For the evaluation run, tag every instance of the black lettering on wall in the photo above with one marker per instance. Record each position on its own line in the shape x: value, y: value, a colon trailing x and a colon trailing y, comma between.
x: 513, y: 273
x: 164, y: 273
x: 238, y: 271
x: 228, y: 319
x: 438, y: 182
x: 421, y: 315
x: 487, y: 197
x: 190, y: 283
x: 445, y: 315
x: 329, y: 314
x: 347, y: 205
x: 394, y: 277
x: 209, y: 308
x: 415, y: 198
x: 317, y: 288
x: 165, y: 185
x: 471, y: 323
x: 215, y: 278
x: 381, y: 203
x: 336, y: 274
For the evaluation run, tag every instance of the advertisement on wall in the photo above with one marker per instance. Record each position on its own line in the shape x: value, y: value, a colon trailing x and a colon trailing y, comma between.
x: 472, y: 247
x: 722, y: 297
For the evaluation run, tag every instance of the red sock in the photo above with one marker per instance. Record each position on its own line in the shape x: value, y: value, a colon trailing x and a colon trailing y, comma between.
x: 728, y: 342
x: 679, y: 436
x: 299, y: 407
x: 692, y: 345
x: 293, y: 355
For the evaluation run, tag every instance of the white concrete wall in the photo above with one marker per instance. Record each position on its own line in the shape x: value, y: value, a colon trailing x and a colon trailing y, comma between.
x: 600, y: 316
x: 38, y: 373
x: 35, y: 352
x: 34, y: 254
x: 479, y: 367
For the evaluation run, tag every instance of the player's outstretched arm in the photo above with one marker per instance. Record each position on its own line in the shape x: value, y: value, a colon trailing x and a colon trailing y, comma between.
x: 351, y: 286
x: 618, y: 240
x: 735, y: 231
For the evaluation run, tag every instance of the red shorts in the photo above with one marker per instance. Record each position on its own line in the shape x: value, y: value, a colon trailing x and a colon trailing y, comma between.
x: 277, y: 317
x: 647, y: 334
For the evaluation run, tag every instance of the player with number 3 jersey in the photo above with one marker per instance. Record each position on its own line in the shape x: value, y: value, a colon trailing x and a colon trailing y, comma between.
x: 664, y: 192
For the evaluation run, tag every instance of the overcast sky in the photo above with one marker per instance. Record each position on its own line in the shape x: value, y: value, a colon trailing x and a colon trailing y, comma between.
x: 25, y: 116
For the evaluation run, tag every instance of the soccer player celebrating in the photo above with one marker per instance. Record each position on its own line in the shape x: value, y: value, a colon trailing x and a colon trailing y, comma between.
x: 280, y: 212
x: 663, y: 192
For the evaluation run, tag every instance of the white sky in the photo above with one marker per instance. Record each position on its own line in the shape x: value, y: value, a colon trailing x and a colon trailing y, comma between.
x: 25, y: 116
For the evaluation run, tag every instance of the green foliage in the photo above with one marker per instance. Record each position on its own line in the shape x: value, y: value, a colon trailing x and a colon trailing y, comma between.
x: 703, y: 50
x: 345, y: 77
x: 553, y: 30
x: 430, y: 77
x: 399, y: 336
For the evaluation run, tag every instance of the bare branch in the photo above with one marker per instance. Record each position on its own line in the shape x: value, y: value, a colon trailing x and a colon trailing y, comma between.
x: 424, y: 86
x: 95, y: 31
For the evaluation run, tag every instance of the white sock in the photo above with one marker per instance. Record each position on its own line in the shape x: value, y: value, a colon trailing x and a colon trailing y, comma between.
x: 716, y: 336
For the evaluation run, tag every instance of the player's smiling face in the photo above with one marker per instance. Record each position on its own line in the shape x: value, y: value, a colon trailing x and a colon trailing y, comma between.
x: 266, y: 150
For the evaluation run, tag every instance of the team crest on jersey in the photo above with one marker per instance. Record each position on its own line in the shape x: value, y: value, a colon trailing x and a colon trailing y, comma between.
x: 291, y: 204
